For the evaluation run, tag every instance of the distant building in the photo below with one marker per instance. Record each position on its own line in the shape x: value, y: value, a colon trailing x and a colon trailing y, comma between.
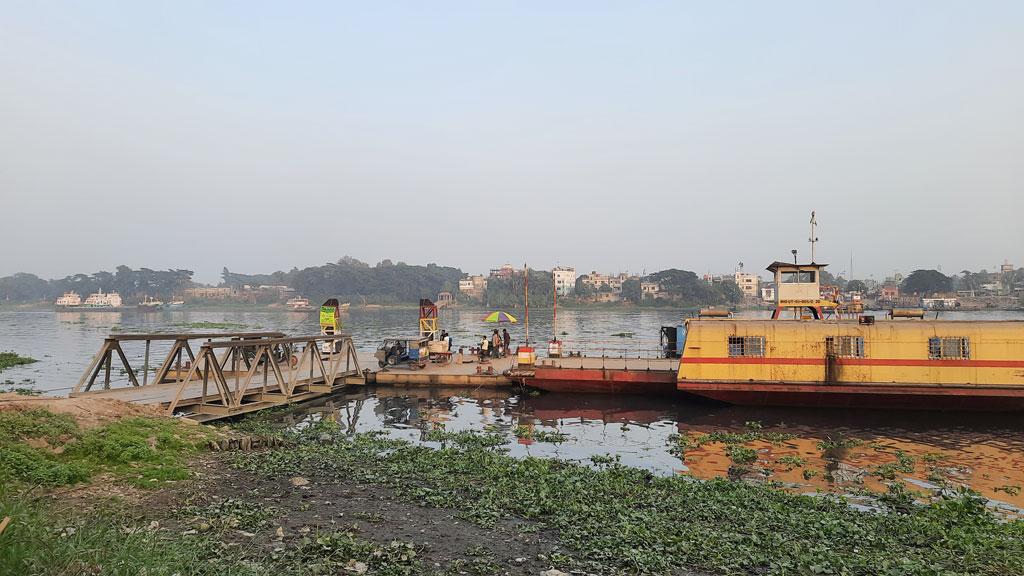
x: 768, y: 294
x: 505, y: 272
x: 210, y: 293
x: 445, y: 299
x: 650, y: 290
x: 565, y: 280
x: 1006, y: 268
x: 612, y: 281
x: 604, y: 297
x: 889, y: 293
x: 615, y: 282
x: 748, y: 283
x: 473, y: 286
x: 595, y: 280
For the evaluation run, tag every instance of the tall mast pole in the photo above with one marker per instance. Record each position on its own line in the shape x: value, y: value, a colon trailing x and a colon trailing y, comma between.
x: 526, y: 290
x: 813, y: 239
x: 554, y: 320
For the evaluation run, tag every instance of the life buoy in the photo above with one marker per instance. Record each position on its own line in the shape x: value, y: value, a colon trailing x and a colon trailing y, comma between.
x: 293, y: 360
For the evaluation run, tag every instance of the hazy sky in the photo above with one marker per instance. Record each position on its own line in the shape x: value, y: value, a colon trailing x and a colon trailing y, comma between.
x: 626, y: 135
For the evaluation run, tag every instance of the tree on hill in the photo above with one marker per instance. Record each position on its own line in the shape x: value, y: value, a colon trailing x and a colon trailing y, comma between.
x: 583, y: 288
x: 856, y: 286
x: 687, y: 288
x: 926, y: 282
x: 631, y: 290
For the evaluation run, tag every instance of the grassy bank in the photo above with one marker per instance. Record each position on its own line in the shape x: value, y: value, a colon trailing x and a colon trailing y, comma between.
x: 603, y: 518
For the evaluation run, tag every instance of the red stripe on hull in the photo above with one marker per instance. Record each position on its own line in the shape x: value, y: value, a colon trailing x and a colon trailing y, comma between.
x: 861, y: 396
x: 601, y: 381
x: 860, y: 362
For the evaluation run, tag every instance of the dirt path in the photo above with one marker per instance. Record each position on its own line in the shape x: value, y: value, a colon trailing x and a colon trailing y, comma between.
x: 88, y: 412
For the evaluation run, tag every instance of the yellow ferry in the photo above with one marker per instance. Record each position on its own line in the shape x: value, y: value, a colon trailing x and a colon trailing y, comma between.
x: 858, y: 362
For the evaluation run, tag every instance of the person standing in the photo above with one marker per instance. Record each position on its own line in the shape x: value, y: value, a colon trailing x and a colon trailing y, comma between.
x: 496, y: 343
x: 507, y: 339
x: 484, y: 345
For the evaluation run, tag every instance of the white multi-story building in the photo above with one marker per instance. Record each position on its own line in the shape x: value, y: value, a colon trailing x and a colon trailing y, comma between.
x: 473, y: 285
x: 565, y: 280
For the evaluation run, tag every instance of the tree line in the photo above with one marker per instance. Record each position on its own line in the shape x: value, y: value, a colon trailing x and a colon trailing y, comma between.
x: 129, y: 283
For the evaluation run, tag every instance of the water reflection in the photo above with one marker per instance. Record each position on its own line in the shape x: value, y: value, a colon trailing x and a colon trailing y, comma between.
x: 842, y: 451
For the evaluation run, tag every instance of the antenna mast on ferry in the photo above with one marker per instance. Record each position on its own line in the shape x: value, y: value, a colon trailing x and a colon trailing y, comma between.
x: 814, y: 231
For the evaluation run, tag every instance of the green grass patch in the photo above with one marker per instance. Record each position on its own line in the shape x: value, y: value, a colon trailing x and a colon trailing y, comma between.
x: 904, y: 464
x: 11, y: 359
x: 18, y: 425
x: 40, y: 447
x: 741, y: 455
x: 42, y: 539
x: 791, y: 462
x: 613, y: 519
x: 526, y: 433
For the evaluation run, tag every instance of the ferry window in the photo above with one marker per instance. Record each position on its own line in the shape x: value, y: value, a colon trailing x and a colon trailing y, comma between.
x: 949, y: 348
x: 797, y: 277
x: 746, y: 346
x: 845, y: 346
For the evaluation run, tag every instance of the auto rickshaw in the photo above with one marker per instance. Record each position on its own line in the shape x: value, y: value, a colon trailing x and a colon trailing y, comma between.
x: 395, y: 351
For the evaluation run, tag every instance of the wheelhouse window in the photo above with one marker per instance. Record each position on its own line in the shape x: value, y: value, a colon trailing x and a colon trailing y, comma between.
x: 746, y: 346
x: 797, y: 276
x: 946, y: 348
x: 845, y: 346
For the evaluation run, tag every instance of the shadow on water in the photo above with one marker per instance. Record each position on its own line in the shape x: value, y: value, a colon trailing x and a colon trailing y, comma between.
x: 808, y: 450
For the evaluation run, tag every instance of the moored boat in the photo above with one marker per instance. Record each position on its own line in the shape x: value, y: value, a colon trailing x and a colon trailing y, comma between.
x: 905, y: 364
x: 150, y: 304
x: 813, y: 352
x: 299, y: 305
x: 68, y: 300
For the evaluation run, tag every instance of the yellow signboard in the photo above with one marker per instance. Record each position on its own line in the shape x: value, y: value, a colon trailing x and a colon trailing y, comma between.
x: 327, y: 316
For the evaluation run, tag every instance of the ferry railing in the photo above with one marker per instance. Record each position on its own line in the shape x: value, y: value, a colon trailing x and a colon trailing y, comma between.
x: 314, y: 364
x: 175, y: 357
x: 619, y: 354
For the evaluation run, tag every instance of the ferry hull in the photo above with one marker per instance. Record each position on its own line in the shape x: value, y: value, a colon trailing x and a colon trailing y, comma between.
x: 603, y: 381
x: 886, y: 396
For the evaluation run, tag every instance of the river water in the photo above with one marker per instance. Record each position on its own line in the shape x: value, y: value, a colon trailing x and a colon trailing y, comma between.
x: 926, y: 450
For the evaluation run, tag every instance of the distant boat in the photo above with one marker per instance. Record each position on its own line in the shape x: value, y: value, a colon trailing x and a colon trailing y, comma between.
x: 68, y: 300
x: 102, y: 301
x: 343, y: 307
x: 175, y: 304
x: 298, y: 305
x: 150, y: 304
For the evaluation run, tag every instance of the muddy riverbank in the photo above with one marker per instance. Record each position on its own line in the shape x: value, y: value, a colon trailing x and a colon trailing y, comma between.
x: 138, y: 493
